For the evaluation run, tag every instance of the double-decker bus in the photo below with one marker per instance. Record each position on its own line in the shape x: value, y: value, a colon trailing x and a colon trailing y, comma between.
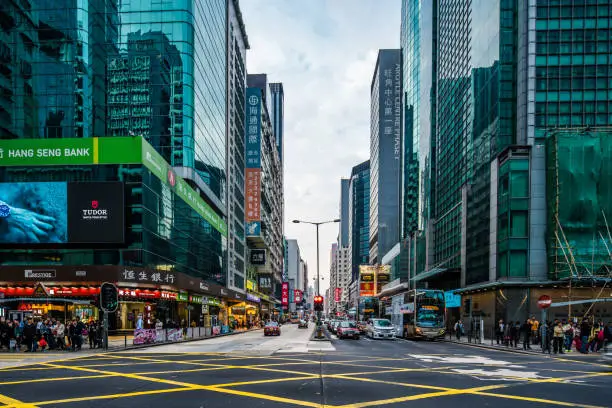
x: 423, y: 314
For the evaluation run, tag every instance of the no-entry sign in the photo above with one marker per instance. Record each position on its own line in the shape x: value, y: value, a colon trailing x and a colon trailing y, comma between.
x: 544, y: 302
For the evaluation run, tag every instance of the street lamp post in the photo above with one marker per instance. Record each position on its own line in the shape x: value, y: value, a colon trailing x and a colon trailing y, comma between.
x: 317, y: 224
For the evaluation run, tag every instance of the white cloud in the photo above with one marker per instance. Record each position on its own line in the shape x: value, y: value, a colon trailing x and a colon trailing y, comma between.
x: 324, y: 53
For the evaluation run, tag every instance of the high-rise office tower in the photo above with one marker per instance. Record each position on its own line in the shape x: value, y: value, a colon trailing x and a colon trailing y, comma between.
x: 263, y: 186
x: 277, y: 106
x: 134, y: 96
x: 385, y: 154
x: 237, y: 44
x: 519, y: 94
x: 343, y: 236
x: 359, y: 217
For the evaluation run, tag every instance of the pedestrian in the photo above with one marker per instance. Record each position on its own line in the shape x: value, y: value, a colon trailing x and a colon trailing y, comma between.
x: 607, y: 336
x: 585, y: 330
x: 535, y: 325
x: 91, y: 334
x: 568, y: 332
x: 29, y: 333
x: 546, y: 336
x: 458, y: 329
x: 558, y: 338
x: 526, y: 330
x: 515, y: 333
x: 500, y: 328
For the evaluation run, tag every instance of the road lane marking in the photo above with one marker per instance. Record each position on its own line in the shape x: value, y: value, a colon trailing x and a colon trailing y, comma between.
x: 541, y: 400
x: 269, y: 397
x: 105, y: 396
x: 45, y: 380
x: 12, y: 402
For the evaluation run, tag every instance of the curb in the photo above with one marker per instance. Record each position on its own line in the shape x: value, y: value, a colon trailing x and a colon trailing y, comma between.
x: 140, y: 346
x: 325, y: 333
x: 507, y: 350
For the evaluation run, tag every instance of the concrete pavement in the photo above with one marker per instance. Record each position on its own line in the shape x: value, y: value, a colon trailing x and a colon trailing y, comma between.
x: 250, y: 370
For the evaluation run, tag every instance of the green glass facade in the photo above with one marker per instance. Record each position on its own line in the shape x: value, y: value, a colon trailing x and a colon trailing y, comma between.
x: 133, y: 68
x: 359, y: 217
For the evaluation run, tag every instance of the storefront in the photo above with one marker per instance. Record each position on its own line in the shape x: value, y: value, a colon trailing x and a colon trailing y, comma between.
x: 165, y: 296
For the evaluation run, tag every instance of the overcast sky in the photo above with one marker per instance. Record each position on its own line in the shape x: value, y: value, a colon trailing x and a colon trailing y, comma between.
x: 324, y: 53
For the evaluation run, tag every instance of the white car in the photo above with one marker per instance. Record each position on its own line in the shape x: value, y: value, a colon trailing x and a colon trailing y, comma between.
x: 380, y: 329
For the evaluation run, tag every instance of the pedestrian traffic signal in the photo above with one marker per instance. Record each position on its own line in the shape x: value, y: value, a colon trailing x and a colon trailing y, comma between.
x: 318, y: 303
x: 109, y: 297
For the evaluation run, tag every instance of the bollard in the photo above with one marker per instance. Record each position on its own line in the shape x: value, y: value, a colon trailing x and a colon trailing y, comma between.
x: 125, y: 340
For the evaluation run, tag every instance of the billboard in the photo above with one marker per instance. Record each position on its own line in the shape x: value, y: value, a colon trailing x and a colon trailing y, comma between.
x: 372, y: 278
x: 258, y: 256
x: 59, y: 213
x: 298, y: 296
x: 253, y: 194
x: 285, y: 294
x: 105, y: 150
x: 253, y: 128
x: 337, y: 294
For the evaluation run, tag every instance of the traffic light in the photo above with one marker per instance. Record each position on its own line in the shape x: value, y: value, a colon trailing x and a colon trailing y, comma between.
x: 109, y: 297
x: 318, y: 303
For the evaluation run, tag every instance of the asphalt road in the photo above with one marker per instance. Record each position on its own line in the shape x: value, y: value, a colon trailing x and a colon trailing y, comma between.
x: 250, y: 370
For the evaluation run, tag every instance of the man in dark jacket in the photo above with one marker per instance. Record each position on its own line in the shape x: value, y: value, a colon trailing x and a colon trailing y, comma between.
x: 29, y: 334
x: 585, y: 333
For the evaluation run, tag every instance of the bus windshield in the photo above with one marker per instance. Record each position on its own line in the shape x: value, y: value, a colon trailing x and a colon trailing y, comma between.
x: 430, y: 309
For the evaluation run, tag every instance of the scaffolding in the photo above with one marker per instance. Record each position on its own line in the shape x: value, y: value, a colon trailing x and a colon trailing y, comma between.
x: 579, y: 187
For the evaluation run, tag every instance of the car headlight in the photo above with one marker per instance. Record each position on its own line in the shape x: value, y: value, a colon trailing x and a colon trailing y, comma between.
x: 419, y: 331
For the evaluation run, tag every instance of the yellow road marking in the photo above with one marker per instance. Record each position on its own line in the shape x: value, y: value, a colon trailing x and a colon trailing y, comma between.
x: 13, y: 402
x: 236, y: 384
x: 269, y: 397
x: 542, y: 400
x: 348, y: 377
x: 45, y: 380
x: 418, y: 397
x: 106, y: 396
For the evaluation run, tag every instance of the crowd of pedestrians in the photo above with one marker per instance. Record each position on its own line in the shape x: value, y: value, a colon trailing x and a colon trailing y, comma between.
x: 558, y: 336
x: 33, y: 335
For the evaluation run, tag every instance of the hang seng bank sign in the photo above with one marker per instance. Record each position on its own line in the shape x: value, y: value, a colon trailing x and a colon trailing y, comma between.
x: 105, y: 150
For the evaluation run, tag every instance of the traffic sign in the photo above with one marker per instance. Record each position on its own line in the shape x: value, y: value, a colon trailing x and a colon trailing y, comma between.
x: 109, y: 297
x: 544, y: 302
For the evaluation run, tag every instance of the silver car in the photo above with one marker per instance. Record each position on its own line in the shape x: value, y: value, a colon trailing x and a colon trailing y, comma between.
x: 380, y: 329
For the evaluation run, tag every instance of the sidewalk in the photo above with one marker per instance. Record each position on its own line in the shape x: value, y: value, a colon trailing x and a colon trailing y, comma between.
x: 491, y: 344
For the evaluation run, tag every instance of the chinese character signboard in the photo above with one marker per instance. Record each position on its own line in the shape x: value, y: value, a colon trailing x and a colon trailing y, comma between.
x: 337, y: 294
x: 285, y: 294
x: 298, y: 296
x: 253, y: 128
x: 258, y: 256
x: 253, y: 194
x: 391, y: 107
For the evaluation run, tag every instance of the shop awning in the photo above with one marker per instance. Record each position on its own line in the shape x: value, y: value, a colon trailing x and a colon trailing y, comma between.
x: 46, y: 300
x: 429, y: 274
x: 393, y: 289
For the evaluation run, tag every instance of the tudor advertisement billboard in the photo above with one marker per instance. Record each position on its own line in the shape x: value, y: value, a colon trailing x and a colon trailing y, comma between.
x: 61, y: 213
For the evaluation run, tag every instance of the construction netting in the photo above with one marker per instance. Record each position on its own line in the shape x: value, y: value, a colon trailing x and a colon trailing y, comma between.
x: 579, y: 199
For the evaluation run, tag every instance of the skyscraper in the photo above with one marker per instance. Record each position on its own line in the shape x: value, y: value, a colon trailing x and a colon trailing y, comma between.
x: 519, y: 94
x: 278, y: 114
x: 343, y: 236
x: 359, y: 217
x: 140, y: 90
x: 238, y: 44
x: 263, y: 185
x: 385, y: 154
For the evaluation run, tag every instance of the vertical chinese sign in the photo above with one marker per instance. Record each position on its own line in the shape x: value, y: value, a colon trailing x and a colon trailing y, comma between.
x: 337, y: 294
x: 297, y: 296
x: 391, y: 84
x: 285, y: 295
x: 253, y: 162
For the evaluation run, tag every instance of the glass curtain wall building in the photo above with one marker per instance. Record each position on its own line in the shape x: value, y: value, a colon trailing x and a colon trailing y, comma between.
x: 107, y: 68
x: 385, y: 154
x: 359, y: 218
x: 237, y: 45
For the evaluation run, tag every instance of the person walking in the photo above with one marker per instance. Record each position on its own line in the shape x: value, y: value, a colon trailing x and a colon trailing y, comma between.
x: 546, y: 336
x: 515, y: 333
x: 500, y: 328
x: 526, y: 331
x: 535, y: 326
x: 568, y: 331
x: 459, y: 329
x: 585, y: 331
x: 558, y: 337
